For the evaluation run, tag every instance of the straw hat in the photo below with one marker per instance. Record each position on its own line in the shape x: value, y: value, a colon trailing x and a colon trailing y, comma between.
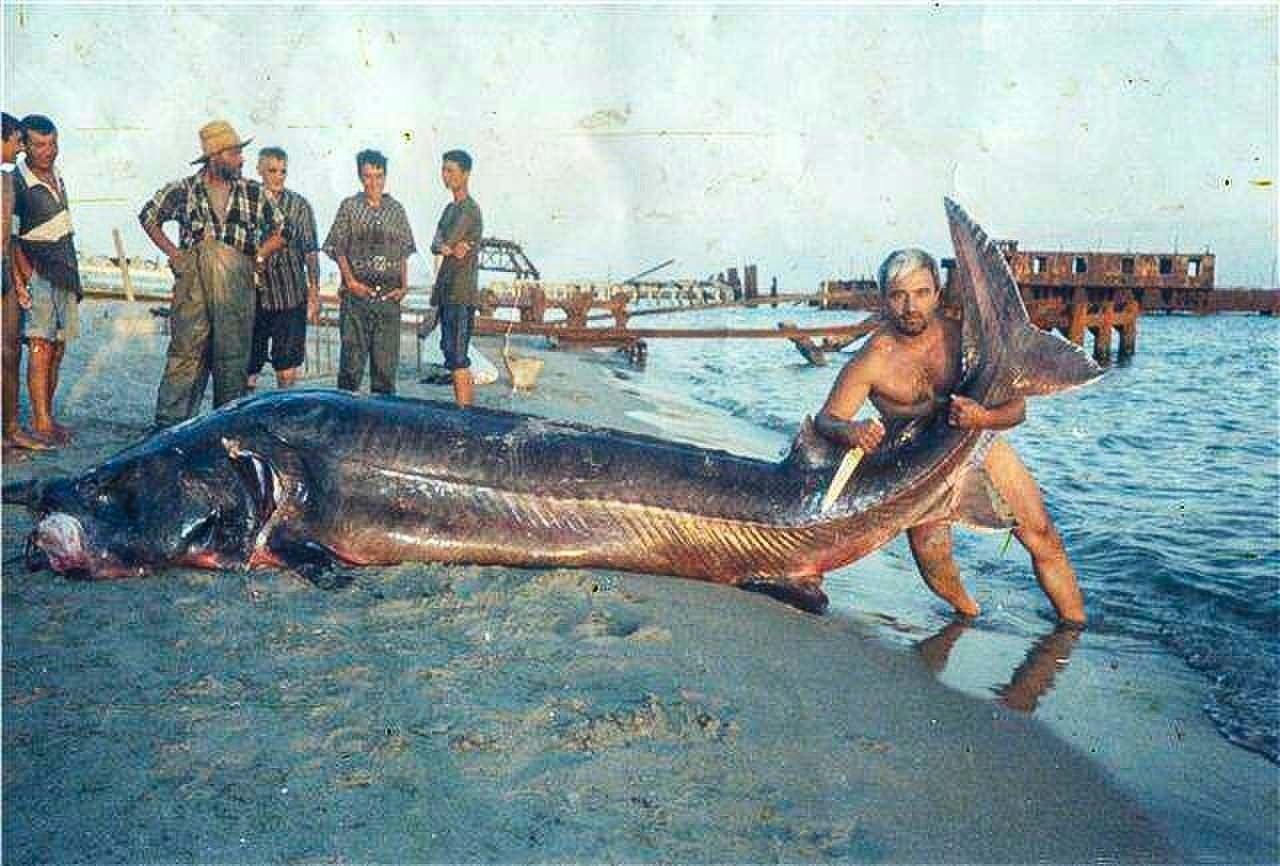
x: 215, y: 137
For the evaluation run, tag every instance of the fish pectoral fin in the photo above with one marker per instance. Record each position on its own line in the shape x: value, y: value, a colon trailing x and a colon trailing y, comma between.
x: 316, y: 563
x: 807, y: 596
x: 258, y: 476
x: 977, y: 503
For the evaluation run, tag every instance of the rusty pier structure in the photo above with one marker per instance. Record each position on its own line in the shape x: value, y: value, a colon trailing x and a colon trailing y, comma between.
x: 1102, y: 294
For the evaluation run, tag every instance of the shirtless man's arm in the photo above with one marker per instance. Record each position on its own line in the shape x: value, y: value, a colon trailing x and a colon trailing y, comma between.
x: 851, y: 390
x: 971, y: 415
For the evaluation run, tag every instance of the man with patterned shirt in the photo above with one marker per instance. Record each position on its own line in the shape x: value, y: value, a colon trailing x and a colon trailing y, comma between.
x: 371, y: 241
x: 226, y: 226
x: 288, y: 292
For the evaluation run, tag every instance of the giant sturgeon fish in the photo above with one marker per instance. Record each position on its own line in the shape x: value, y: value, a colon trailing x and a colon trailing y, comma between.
x: 316, y: 481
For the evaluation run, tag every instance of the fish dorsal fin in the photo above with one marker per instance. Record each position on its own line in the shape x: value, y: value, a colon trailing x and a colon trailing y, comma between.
x: 1005, y: 356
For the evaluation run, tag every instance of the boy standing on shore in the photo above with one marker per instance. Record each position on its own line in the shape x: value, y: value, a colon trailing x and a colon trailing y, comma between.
x: 457, y: 249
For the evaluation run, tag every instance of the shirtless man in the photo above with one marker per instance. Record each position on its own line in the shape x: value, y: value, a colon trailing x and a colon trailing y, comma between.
x: 908, y: 368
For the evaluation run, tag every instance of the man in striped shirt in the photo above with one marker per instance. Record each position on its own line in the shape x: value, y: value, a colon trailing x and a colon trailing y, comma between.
x: 46, y: 269
x: 227, y: 226
x: 289, y: 285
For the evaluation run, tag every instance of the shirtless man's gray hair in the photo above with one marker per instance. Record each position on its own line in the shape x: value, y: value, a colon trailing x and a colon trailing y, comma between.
x: 901, y: 263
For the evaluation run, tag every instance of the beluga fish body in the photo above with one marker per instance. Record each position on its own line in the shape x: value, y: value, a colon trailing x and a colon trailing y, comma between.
x: 317, y: 480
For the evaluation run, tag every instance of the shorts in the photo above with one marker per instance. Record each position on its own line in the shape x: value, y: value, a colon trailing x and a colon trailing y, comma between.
x: 54, y: 313
x: 286, y: 331
x: 455, y: 334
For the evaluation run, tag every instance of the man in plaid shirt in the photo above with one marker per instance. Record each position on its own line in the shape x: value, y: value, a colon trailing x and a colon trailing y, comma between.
x: 221, y: 218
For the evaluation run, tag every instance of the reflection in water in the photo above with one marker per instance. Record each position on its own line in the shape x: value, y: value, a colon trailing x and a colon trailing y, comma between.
x: 1030, y: 681
x: 936, y: 649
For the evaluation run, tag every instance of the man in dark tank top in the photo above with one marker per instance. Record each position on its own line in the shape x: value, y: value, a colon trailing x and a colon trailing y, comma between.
x: 907, y: 369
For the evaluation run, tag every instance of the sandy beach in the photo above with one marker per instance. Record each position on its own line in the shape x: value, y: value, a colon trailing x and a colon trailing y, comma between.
x: 461, y: 714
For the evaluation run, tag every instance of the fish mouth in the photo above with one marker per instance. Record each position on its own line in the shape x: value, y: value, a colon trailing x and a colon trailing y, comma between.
x: 62, y: 540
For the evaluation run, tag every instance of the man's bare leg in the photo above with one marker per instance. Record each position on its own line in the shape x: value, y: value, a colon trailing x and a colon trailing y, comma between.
x: 931, y: 547
x: 59, y: 351
x: 14, y: 435
x: 1036, y: 532
x: 12, y: 364
x: 462, y: 387
x: 287, y: 378
x: 39, y: 363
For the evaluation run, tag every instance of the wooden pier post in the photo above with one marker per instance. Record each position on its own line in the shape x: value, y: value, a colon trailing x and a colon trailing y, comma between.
x: 1129, y: 338
x: 124, y: 265
x: 1102, y: 333
x: 1129, y: 329
x: 1078, y: 311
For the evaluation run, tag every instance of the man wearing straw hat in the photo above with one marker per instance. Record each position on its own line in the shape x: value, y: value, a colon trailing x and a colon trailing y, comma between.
x: 227, y: 228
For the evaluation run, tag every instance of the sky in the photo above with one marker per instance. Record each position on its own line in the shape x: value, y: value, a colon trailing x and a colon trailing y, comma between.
x: 810, y: 140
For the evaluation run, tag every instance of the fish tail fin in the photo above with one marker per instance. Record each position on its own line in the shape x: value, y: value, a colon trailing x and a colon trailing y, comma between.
x: 1005, y: 355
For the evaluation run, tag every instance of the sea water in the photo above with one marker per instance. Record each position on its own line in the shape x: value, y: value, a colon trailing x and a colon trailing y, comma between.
x: 1163, y: 478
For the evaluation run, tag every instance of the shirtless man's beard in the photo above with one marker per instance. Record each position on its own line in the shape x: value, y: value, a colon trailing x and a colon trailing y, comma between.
x: 911, y: 324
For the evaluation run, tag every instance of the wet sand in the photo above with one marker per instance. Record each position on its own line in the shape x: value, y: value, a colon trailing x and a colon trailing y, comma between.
x: 456, y: 713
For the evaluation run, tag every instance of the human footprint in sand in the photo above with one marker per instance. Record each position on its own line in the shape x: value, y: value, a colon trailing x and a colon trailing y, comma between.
x: 909, y: 368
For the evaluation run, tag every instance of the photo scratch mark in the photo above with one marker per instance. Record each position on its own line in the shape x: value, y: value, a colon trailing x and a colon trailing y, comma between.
x: 606, y: 118
x: 669, y: 133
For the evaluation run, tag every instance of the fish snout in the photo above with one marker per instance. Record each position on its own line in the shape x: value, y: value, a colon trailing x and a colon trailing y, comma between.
x: 62, y: 539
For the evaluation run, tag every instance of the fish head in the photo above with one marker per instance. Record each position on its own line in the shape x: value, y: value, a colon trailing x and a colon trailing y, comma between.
x: 164, y: 506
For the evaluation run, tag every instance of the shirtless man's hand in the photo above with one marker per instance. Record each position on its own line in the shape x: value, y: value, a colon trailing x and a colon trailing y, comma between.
x: 866, y: 435
x: 966, y: 414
